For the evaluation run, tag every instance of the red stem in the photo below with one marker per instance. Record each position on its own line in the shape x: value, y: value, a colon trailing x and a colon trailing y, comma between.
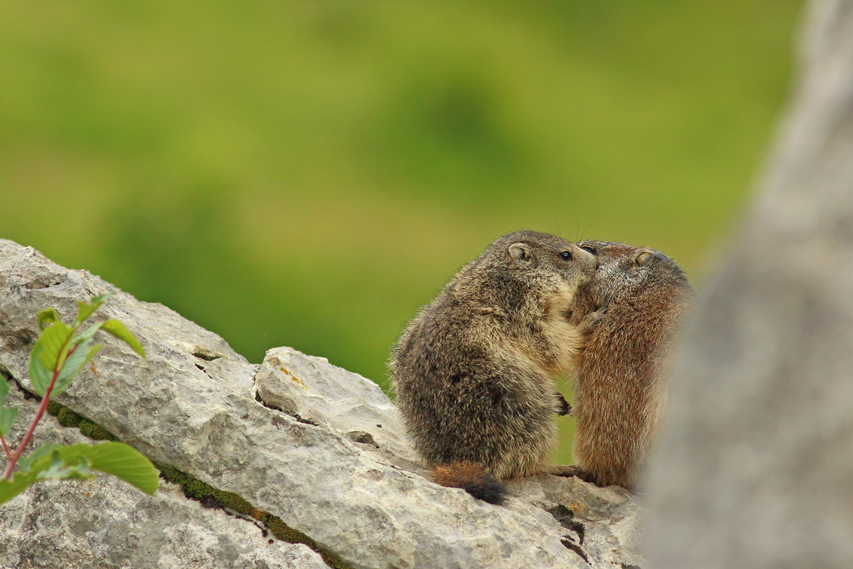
x: 5, y: 448
x: 14, y: 458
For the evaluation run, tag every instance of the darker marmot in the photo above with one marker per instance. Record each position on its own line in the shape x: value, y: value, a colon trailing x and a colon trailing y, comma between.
x: 474, y: 371
x: 621, y: 389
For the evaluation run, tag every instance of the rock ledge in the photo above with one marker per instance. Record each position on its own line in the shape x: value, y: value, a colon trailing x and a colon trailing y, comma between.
x: 312, y: 445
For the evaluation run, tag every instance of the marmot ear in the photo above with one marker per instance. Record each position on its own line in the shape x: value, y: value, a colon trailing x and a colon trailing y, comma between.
x: 522, y: 254
x: 642, y: 258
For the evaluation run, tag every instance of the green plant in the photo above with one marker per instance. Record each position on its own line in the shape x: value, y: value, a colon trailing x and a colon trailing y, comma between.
x: 56, y: 358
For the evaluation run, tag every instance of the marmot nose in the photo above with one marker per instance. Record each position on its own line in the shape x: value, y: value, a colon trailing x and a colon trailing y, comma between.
x: 583, y: 254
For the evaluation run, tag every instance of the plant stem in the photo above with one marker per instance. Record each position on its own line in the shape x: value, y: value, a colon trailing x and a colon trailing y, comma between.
x: 17, y: 454
x: 5, y: 447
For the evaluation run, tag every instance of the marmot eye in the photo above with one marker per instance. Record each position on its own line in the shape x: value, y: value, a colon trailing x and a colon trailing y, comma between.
x: 589, y: 249
x: 566, y: 255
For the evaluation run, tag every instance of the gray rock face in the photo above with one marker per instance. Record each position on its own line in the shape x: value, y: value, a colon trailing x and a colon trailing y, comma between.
x: 318, y: 447
x: 104, y: 523
x: 316, y: 392
x: 756, y: 469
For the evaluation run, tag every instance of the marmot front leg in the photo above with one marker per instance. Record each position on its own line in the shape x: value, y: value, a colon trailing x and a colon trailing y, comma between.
x: 591, y: 320
x: 585, y: 315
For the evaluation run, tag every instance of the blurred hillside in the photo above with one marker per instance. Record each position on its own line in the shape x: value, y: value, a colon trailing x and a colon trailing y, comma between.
x: 308, y: 173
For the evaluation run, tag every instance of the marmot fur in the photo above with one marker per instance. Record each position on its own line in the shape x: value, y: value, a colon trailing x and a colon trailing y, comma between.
x: 621, y: 391
x: 474, y: 371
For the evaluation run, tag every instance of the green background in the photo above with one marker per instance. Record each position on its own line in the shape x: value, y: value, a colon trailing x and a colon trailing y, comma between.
x: 308, y: 173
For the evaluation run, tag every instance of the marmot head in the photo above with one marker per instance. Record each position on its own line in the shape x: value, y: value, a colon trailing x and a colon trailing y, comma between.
x: 623, y: 269
x: 527, y: 266
x: 530, y: 252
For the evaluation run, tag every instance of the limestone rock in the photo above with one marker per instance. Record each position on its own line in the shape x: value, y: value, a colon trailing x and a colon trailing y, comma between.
x: 314, y: 445
x: 314, y: 391
x: 105, y: 523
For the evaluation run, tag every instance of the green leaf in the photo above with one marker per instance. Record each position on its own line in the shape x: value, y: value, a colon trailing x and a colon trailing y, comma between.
x: 47, y: 317
x: 101, y: 298
x: 117, y: 459
x: 121, y: 332
x: 40, y: 376
x: 44, y: 450
x: 125, y: 462
x: 7, y: 416
x: 54, y: 341
x: 85, y: 309
x: 7, y: 419
x: 76, y: 360
x: 88, y: 334
x: 29, y: 469
x: 11, y: 488
x: 4, y: 390
x: 61, y: 470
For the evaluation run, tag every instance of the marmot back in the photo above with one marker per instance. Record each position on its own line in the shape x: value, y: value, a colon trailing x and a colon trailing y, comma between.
x: 474, y: 370
x: 621, y: 388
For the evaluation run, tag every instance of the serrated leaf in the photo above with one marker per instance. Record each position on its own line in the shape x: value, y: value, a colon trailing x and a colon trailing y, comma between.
x: 54, y: 341
x: 121, y: 332
x: 85, y: 309
x: 125, y: 462
x: 76, y: 360
x: 40, y: 376
x: 47, y: 317
x: 7, y: 419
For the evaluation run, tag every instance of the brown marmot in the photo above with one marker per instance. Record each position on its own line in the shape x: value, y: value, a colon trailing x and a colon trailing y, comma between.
x: 474, y: 371
x: 620, y: 391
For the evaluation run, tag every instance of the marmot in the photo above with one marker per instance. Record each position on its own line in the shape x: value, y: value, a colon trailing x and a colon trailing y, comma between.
x: 620, y: 392
x: 474, y: 370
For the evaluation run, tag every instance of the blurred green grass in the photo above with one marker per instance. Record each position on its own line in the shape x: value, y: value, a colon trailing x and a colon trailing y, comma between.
x: 310, y: 173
